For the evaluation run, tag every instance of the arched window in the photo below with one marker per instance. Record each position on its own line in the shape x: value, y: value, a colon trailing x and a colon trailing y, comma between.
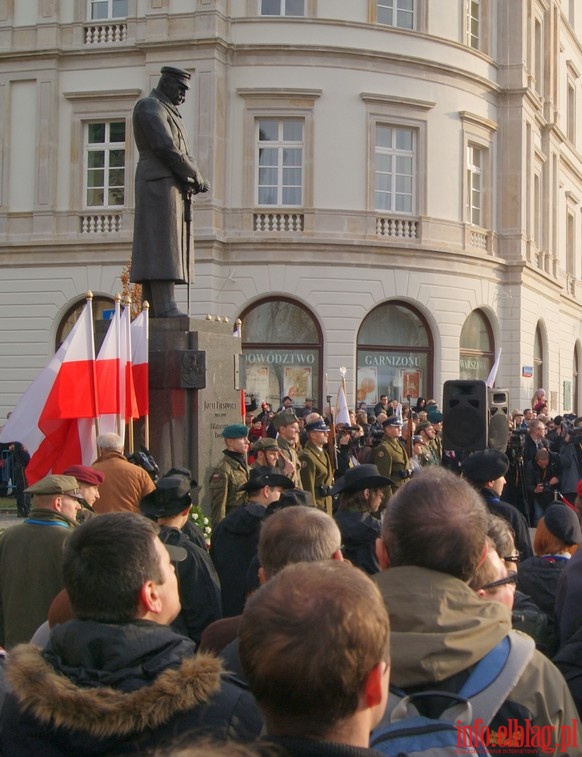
x: 282, y: 348
x: 395, y: 353
x: 538, y: 360
x: 100, y: 305
x: 476, y: 347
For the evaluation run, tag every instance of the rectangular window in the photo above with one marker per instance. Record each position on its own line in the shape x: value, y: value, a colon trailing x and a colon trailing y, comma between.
x: 105, y: 164
x: 396, y: 13
x: 538, y: 57
x: 570, y: 243
x: 280, y: 161
x: 475, y: 185
x: 282, y: 7
x: 571, y: 107
x: 473, y: 23
x: 395, y: 169
x: 101, y: 10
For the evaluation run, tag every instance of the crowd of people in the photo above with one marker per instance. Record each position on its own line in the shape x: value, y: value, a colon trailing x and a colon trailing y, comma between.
x: 345, y: 564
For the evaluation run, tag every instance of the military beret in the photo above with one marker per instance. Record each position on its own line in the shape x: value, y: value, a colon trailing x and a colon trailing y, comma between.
x: 85, y: 474
x: 53, y: 484
x: 181, y: 74
x: 563, y: 523
x: 284, y: 418
x: 485, y: 465
x: 235, y: 431
x: 434, y: 416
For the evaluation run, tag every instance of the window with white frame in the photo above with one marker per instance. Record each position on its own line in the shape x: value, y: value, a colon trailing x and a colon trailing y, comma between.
x: 475, y: 160
x: 398, y: 13
x: 105, y: 164
x: 282, y: 7
x: 395, y: 169
x: 280, y: 144
x: 100, y: 10
x: 474, y: 23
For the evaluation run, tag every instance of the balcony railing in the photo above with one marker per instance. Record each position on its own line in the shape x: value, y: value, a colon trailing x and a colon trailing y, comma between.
x: 397, y: 228
x: 278, y: 221
x: 105, y: 223
x: 105, y: 33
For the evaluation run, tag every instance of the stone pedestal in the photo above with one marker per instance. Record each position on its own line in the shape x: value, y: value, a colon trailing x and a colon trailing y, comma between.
x: 193, y: 394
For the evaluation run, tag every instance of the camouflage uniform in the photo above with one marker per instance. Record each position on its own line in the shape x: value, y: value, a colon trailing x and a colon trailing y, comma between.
x: 225, y: 482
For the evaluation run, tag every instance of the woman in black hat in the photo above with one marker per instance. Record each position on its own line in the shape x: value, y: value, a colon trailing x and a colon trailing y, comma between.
x: 361, y: 492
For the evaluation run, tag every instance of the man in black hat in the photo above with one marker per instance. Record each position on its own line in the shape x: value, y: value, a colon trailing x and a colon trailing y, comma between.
x: 166, y: 178
x: 391, y: 457
x: 316, y: 470
x: 486, y: 470
x: 235, y: 539
x: 198, y: 584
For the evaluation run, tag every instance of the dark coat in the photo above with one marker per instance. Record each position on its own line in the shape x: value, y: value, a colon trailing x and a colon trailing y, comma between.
x: 359, y: 533
x: 103, y: 689
x: 198, y: 586
x: 31, y: 556
x: 164, y: 168
x: 516, y: 520
x: 234, y: 545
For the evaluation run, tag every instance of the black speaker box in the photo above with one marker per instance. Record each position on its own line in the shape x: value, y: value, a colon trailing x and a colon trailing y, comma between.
x: 474, y: 417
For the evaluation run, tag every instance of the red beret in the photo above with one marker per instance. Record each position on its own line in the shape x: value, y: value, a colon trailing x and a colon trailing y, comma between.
x: 86, y: 475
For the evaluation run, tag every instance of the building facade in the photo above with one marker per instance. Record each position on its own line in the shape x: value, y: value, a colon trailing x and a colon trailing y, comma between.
x: 396, y: 185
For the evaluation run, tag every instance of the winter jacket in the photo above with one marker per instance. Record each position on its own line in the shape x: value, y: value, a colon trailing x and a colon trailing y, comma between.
x: 439, y: 629
x: 125, y: 484
x: 234, y: 545
x: 101, y: 689
x: 359, y: 533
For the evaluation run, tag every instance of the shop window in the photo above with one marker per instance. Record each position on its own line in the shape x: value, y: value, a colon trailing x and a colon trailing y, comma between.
x: 476, y: 348
x: 282, y: 350
x: 395, y: 354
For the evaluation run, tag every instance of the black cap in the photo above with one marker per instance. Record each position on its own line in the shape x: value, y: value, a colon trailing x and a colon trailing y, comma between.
x: 178, y: 73
x: 563, y: 523
x: 485, y: 465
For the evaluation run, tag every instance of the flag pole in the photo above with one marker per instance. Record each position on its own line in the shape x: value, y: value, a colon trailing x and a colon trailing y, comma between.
x: 131, y: 443
x: 146, y: 428
x: 119, y: 377
x: 89, y: 301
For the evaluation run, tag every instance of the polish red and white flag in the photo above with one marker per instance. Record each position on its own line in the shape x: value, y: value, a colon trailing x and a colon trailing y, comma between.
x: 139, y: 361
x: 54, y: 419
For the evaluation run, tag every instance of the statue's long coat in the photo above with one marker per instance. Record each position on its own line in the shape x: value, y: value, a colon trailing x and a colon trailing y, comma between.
x: 160, y: 240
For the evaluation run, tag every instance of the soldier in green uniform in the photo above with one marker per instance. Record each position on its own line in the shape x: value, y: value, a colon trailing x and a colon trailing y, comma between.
x: 436, y: 418
x: 429, y: 454
x: 230, y: 474
x: 287, y: 425
x: 316, y: 470
x: 390, y: 455
x: 266, y: 452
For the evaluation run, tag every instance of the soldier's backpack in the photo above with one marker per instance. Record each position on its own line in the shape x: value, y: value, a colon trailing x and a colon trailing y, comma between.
x: 463, y: 726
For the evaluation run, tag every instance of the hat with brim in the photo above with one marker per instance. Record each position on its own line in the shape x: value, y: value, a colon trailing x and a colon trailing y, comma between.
x: 361, y: 477
x: 170, y: 497
x: 318, y: 425
x: 263, y: 476
x: 423, y: 426
x: 56, y: 485
x: 485, y: 465
x: 563, y: 523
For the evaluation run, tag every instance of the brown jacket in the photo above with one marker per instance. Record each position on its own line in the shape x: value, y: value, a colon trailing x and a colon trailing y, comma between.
x: 125, y: 484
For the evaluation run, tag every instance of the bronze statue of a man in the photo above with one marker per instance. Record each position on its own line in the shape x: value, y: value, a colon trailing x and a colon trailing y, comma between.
x: 166, y: 178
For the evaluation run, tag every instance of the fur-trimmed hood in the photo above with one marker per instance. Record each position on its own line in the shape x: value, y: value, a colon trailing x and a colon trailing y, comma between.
x: 99, y: 686
x: 105, y: 712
